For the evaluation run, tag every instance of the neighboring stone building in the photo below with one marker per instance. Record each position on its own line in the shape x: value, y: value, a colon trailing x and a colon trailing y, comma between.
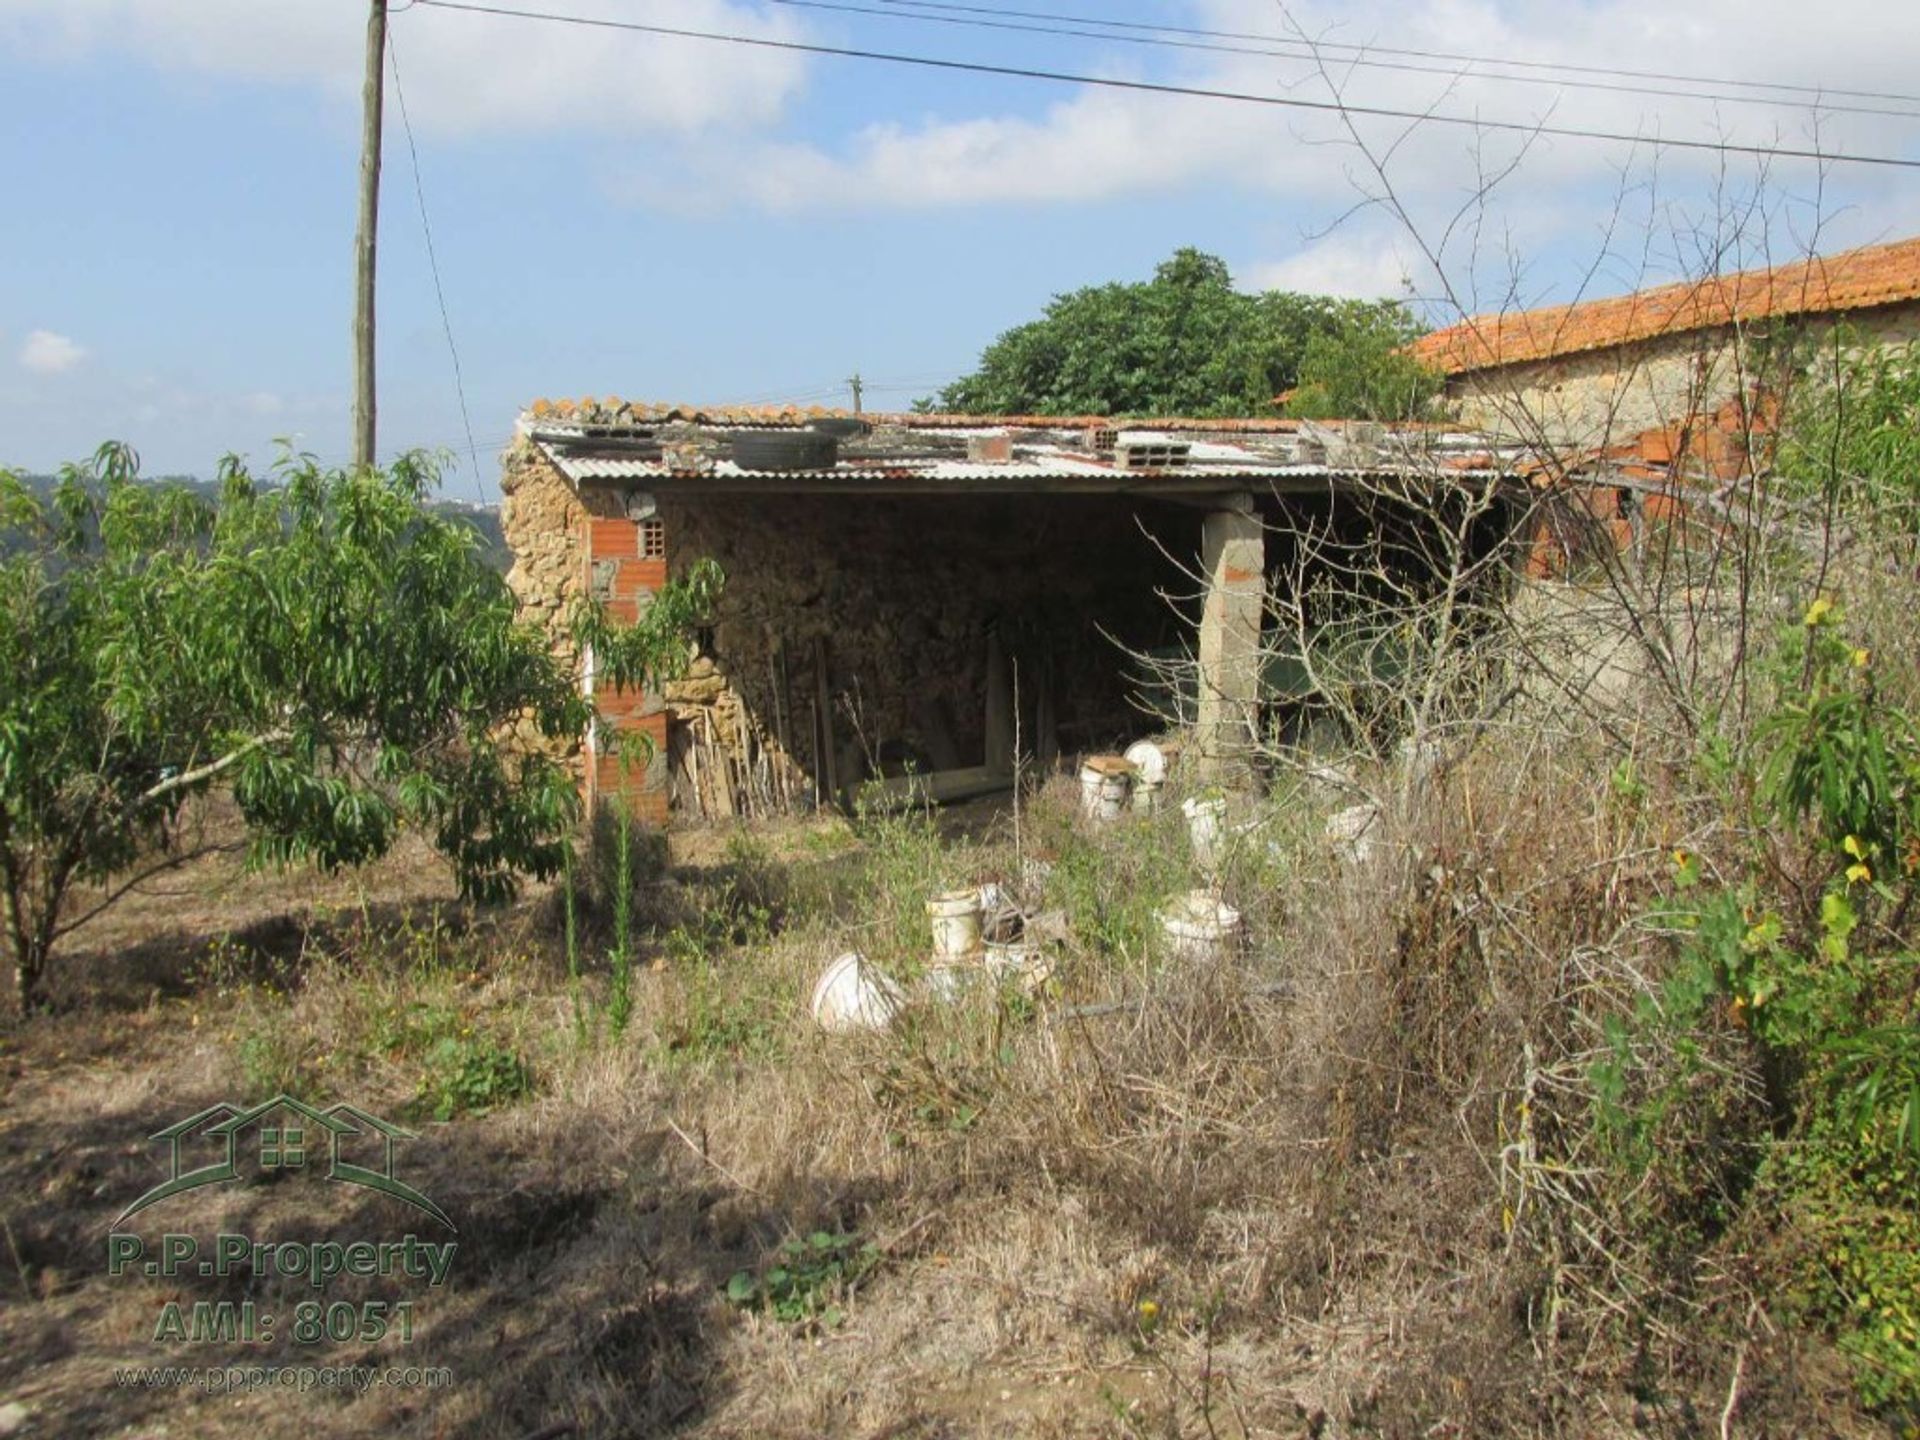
x: 905, y: 592
x: 1603, y: 372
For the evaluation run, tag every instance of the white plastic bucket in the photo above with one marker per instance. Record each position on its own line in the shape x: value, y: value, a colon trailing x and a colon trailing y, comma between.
x: 851, y: 995
x: 1200, y: 926
x: 1206, y: 822
x: 1351, y: 832
x: 1020, y: 960
x: 956, y: 923
x: 1104, y: 783
x: 1149, y: 762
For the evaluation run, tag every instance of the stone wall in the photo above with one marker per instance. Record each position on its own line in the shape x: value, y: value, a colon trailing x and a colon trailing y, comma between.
x: 541, y: 519
x: 554, y: 534
x: 886, y: 606
x: 899, y: 599
x: 1605, y: 397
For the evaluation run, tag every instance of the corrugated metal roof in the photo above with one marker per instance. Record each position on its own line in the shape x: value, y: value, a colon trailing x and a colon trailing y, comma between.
x: 625, y: 468
x: 929, y: 453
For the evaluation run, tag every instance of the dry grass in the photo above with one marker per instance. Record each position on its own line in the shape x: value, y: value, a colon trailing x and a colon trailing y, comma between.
x: 1339, y: 1184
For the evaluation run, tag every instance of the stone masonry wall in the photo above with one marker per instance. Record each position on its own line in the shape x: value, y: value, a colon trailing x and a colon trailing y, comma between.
x: 899, y: 594
x: 896, y: 595
x: 541, y: 518
x: 556, y: 535
x: 1605, y: 397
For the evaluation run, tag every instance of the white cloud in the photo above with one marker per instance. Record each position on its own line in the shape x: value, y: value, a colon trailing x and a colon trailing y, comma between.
x: 1102, y: 144
x: 1346, y: 265
x: 46, y: 353
x: 463, y: 73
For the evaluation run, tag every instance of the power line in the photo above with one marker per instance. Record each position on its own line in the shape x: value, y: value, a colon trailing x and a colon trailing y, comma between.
x: 1299, y: 50
x: 1156, y: 88
x: 1369, y: 49
x: 433, y: 264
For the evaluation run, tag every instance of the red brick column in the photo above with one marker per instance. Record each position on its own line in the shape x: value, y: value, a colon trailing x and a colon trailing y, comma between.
x: 626, y: 564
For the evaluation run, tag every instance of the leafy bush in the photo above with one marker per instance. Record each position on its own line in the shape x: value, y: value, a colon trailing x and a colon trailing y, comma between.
x: 1807, y: 954
x: 337, y: 656
x: 1851, y: 435
x: 471, y: 1075
x: 1362, y: 371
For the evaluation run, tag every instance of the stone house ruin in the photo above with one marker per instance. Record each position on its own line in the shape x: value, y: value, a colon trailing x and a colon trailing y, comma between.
x: 905, y: 593
x: 1667, y: 362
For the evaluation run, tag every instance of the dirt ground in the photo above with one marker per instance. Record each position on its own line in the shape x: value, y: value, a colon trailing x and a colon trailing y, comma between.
x: 1134, y: 1217
x: 598, y: 1225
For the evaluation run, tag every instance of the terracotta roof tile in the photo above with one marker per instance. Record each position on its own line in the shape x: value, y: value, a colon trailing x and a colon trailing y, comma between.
x: 1851, y: 280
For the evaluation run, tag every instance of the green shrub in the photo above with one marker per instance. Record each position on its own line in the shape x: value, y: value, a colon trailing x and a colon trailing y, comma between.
x: 810, y: 1279
x: 471, y: 1075
x: 1814, y: 964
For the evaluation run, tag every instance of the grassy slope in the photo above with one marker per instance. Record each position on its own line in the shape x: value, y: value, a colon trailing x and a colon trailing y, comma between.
x: 1238, y: 1199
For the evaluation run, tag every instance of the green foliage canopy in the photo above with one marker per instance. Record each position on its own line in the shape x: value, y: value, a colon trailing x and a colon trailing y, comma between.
x: 1184, y: 343
x: 338, y: 657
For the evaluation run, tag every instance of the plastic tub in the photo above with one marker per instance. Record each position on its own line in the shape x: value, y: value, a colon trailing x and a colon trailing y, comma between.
x: 1149, y: 762
x: 852, y: 995
x: 1352, y: 831
x: 1200, y: 926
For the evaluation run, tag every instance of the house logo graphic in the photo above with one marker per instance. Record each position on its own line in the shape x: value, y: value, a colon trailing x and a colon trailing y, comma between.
x: 291, y: 1135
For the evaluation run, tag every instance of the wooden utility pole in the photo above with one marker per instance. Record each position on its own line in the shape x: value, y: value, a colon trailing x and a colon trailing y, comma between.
x: 367, y: 235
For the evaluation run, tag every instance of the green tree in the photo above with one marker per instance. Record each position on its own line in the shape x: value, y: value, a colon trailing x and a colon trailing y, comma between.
x: 327, y: 650
x: 1184, y: 343
x: 1361, y: 370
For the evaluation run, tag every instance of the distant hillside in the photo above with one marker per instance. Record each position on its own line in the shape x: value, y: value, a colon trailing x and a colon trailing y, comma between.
x: 484, y: 520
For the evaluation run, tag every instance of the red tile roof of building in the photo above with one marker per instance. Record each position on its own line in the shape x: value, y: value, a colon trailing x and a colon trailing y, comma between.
x: 1821, y: 284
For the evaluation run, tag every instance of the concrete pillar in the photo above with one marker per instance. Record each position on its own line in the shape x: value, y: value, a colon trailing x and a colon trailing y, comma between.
x: 1233, y: 558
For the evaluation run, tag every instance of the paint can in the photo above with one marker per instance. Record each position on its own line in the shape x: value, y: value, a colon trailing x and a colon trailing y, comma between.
x: 955, y: 917
x: 1105, y: 781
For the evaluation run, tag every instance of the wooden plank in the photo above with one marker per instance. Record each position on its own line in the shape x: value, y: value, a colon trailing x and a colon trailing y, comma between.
x: 942, y: 787
x: 823, y: 697
x: 999, y: 722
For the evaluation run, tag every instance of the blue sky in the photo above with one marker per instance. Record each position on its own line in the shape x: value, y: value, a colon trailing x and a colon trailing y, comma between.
x: 661, y: 219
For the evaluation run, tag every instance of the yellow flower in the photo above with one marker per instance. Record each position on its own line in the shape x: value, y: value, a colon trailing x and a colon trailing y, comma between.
x: 1855, y: 847
x: 1860, y: 658
x: 1858, y: 872
x: 1149, y: 1311
x: 1817, y: 612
